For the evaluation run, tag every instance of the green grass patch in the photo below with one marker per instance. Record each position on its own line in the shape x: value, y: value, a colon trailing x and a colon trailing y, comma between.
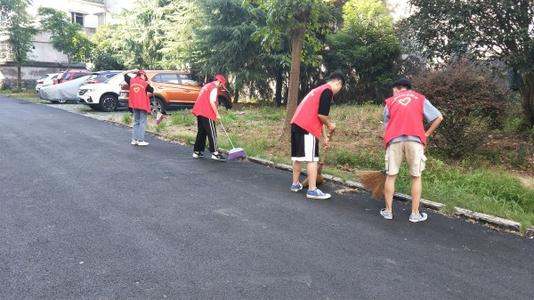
x: 29, y: 95
x: 127, y: 119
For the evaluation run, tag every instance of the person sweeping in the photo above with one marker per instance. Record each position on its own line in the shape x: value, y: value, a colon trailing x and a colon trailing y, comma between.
x: 310, y: 121
x: 139, y: 102
x: 405, y: 137
x: 205, y: 109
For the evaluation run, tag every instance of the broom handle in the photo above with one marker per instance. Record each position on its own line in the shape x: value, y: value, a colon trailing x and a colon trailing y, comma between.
x: 226, y: 133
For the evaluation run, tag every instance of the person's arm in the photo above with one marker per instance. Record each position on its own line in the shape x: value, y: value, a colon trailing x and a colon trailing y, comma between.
x: 149, y: 89
x: 127, y: 78
x: 213, y: 102
x: 433, y: 115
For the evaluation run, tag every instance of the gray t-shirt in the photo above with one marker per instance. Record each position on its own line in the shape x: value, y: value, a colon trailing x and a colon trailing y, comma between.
x: 430, y: 112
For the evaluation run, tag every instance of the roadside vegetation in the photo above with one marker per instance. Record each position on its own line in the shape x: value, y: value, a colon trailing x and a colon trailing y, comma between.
x: 24, y: 94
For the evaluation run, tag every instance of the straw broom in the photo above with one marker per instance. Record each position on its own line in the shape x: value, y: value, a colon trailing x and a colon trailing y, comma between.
x: 373, y: 181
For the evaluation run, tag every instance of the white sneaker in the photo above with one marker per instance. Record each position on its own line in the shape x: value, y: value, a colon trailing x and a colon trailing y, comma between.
x: 418, y: 217
x: 133, y: 142
x: 386, y: 214
x: 142, y: 143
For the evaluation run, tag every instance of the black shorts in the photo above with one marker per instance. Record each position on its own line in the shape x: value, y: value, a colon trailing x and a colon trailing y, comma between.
x: 304, y: 146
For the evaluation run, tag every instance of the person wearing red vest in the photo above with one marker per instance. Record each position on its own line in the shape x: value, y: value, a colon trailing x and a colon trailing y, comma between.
x: 405, y: 137
x: 205, y: 109
x: 309, y: 123
x: 139, y: 103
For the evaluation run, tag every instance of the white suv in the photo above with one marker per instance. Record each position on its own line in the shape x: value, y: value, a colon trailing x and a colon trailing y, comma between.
x: 102, y: 96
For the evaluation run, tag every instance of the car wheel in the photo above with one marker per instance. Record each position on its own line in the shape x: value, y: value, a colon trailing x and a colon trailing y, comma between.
x: 62, y: 101
x: 108, y: 102
x: 157, y: 105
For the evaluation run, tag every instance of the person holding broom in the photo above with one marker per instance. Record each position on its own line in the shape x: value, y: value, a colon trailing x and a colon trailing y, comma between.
x: 205, y: 109
x: 139, y: 103
x: 405, y: 137
x: 309, y: 123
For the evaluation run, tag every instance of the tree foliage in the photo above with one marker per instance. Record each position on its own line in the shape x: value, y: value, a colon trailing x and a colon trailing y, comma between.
x: 365, y: 49
x: 17, y: 25
x: 66, y: 36
x: 482, y: 29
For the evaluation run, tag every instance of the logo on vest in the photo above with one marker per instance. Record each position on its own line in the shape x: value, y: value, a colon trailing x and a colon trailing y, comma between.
x: 136, y: 87
x: 404, y: 101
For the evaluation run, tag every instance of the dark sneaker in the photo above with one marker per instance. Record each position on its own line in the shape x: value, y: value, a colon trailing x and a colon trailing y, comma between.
x: 296, y: 187
x: 198, y: 154
x: 217, y: 156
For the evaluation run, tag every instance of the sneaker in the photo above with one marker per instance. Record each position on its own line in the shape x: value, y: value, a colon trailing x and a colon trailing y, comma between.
x: 217, y: 156
x: 296, y: 187
x: 418, y: 217
x: 198, y: 154
x: 317, y: 194
x: 142, y: 143
x: 133, y: 142
x: 386, y: 214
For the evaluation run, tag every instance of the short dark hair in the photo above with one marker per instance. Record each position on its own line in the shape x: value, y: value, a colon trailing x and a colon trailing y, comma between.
x: 337, y: 75
x: 402, y: 83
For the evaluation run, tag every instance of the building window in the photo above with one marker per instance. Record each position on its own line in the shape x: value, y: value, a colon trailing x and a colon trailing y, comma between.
x: 77, y: 18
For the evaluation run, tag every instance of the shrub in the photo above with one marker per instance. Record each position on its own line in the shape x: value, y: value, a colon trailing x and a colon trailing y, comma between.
x: 471, y: 101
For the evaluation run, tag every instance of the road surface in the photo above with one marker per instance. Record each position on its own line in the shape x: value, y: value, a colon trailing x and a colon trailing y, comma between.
x: 85, y: 215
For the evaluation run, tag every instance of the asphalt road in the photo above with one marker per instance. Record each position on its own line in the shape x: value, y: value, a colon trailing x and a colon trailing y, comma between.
x: 85, y: 215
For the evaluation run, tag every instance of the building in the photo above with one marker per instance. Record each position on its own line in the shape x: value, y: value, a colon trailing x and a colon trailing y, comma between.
x: 44, y: 59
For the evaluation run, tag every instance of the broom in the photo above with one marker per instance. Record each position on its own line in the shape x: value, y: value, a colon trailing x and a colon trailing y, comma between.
x: 374, y: 181
x: 235, y: 153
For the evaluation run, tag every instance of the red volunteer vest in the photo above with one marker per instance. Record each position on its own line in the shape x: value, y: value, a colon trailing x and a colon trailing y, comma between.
x: 138, y: 98
x: 307, y: 114
x: 406, y: 116
x: 202, y: 106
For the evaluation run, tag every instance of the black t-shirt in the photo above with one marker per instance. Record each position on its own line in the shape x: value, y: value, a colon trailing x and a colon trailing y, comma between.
x: 325, y: 102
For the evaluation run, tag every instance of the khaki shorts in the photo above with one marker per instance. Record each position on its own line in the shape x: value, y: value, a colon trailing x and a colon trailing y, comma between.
x: 414, y: 153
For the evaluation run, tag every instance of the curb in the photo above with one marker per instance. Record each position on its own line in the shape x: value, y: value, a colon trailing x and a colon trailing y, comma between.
x: 493, y: 222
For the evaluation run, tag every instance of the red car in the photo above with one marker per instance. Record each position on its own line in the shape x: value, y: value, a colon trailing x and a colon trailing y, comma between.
x: 70, y: 75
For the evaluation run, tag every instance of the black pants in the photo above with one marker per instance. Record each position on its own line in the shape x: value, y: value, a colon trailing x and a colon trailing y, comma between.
x: 206, y: 128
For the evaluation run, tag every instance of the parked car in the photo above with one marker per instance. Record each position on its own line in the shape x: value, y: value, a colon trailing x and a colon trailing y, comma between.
x: 71, y: 74
x: 172, y: 89
x: 103, y: 96
x: 63, y: 92
x: 45, y: 81
x: 101, y: 76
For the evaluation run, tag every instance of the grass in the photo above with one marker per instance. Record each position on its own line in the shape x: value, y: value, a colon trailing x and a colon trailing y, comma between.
x: 357, y: 145
x: 24, y: 94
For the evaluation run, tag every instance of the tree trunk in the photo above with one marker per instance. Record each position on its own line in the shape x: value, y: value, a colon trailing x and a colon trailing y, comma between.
x: 297, y: 40
x: 527, y: 93
x: 279, y: 85
x: 19, y: 77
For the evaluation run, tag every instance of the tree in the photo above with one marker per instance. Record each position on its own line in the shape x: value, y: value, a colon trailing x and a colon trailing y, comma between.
x: 292, y: 18
x: 482, y: 29
x: 225, y: 44
x: 365, y: 48
x: 16, y: 24
x: 106, y: 52
x: 66, y: 36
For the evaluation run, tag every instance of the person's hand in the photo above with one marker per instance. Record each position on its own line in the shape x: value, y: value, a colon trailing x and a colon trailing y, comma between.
x: 331, y: 127
x: 217, y: 117
x: 326, y: 143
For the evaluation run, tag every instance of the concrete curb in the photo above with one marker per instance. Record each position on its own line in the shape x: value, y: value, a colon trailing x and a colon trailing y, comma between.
x: 489, y: 220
